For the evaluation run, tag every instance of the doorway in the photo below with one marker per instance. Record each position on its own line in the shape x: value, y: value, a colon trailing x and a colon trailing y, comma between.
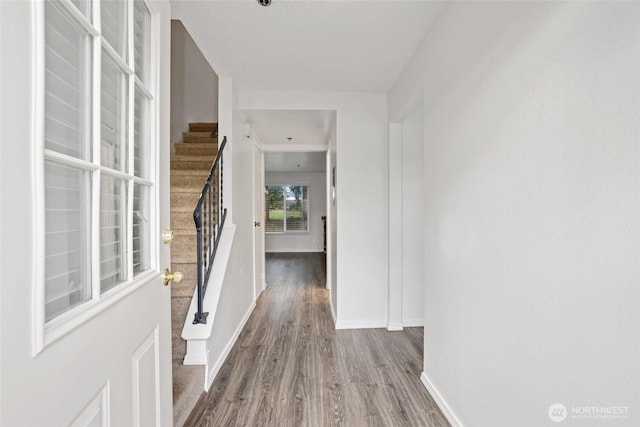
x: 294, y: 210
x: 406, y: 216
x: 294, y: 154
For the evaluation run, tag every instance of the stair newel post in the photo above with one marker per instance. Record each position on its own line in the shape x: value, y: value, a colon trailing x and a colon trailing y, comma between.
x: 205, y: 248
x: 207, y: 231
x: 212, y: 224
x: 200, y: 317
x: 221, y: 209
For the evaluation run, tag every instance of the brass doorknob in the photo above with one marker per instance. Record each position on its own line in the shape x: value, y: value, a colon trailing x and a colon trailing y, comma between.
x: 167, y: 236
x: 168, y: 276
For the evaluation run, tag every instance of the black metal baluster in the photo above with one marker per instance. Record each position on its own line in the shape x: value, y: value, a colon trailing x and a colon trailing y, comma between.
x: 220, y: 208
x: 209, y: 226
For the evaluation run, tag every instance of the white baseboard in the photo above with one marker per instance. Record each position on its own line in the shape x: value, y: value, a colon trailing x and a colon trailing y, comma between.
x: 413, y: 323
x: 333, y: 310
x: 442, y: 404
x: 213, y: 370
x: 371, y: 324
x: 197, y: 353
x: 394, y: 326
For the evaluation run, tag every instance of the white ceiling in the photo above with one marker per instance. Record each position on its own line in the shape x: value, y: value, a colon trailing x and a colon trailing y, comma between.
x: 305, y: 127
x: 295, y: 162
x: 307, y: 45
x: 309, y: 130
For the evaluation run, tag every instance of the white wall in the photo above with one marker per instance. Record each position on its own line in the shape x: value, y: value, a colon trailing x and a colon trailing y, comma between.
x: 2, y: 266
x: 332, y: 224
x: 194, y: 84
x: 413, y: 218
x: 532, y: 208
x: 314, y: 239
x: 237, y: 296
x: 394, y: 290
x: 361, y: 214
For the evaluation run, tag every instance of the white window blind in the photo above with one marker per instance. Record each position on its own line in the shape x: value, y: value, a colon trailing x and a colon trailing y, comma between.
x: 67, y: 85
x: 141, y: 39
x: 67, y: 271
x: 141, y: 214
x: 287, y: 208
x: 113, y: 14
x: 67, y: 188
x: 96, y: 181
x: 113, y: 235
x: 84, y: 6
x: 141, y: 136
x: 113, y: 114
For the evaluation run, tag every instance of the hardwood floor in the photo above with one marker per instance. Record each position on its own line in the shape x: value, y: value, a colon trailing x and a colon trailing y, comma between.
x: 290, y: 367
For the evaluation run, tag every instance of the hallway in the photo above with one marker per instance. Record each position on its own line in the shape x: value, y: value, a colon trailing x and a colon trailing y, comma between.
x: 290, y: 367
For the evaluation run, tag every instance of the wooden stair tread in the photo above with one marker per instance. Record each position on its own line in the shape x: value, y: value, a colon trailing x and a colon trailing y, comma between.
x: 190, y: 133
x: 184, y: 231
x: 196, y: 146
x: 184, y: 157
x: 186, y: 189
x: 201, y: 145
x: 196, y: 149
x: 191, y: 164
x: 189, y: 172
x: 203, y: 126
x: 198, y: 138
x: 182, y: 209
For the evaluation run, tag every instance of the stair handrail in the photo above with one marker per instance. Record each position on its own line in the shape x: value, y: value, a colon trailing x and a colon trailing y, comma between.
x: 209, y: 225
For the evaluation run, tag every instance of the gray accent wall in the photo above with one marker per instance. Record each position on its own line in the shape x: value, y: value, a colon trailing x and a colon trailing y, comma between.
x: 194, y: 84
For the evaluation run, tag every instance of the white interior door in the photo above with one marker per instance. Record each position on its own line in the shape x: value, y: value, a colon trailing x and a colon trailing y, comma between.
x: 85, y: 315
x: 258, y: 208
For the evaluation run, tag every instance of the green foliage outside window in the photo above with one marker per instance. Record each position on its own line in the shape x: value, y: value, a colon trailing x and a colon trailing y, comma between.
x: 287, y: 208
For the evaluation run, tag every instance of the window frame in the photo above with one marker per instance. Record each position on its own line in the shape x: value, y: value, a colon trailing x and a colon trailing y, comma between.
x: 45, y: 332
x: 285, y: 231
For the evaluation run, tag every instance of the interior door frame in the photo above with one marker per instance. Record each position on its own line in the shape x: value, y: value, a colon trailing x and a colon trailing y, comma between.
x: 259, y: 275
x: 329, y: 199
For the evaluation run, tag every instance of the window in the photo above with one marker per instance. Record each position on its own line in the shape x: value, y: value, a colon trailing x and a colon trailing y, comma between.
x: 97, y: 149
x: 287, y: 209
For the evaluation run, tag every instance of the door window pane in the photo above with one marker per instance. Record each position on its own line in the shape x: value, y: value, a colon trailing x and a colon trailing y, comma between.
x: 112, y: 232
x: 140, y: 138
x: 141, y: 20
x: 141, y: 215
x: 84, y: 6
x: 116, y: 158
x: 113, y: 115
x: 113, y: 15
x: 67, y: 85
x: 67, y: 238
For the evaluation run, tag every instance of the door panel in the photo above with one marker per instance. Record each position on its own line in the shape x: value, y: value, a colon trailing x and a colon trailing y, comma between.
x: 86, y: 376
x: 145, y: 378
x: 96, y: 413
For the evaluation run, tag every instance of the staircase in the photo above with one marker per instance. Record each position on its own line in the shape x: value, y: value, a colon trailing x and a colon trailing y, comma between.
x: 190, y: 167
